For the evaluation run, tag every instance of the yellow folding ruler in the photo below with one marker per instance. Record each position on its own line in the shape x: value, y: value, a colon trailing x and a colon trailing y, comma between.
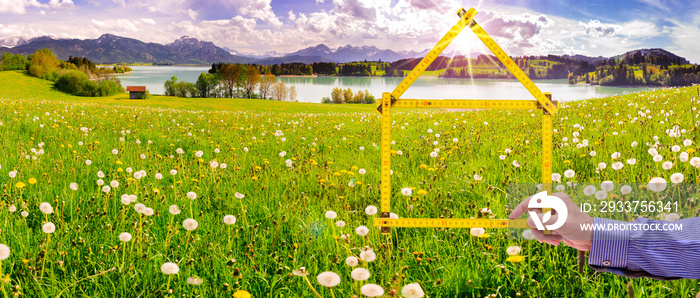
x: 392, y: 100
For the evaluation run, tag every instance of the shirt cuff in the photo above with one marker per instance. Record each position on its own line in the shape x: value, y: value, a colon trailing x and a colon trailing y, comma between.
x: 609, y: 243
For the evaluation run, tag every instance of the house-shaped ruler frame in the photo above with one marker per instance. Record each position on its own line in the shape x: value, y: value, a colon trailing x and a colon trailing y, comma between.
x: 393, y: 100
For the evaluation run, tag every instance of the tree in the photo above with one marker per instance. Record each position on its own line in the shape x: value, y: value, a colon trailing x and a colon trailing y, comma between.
x: 206, y: 85
x: 170, y: 87
x: 337, y: 95
x: 265, y: 85
x: 251, y: 81
x: 13, y: 62
x: 292, y: 93
x: 279, y: 91
x: 230, y: 75
x: 43, y: 63
x: 347, y: 95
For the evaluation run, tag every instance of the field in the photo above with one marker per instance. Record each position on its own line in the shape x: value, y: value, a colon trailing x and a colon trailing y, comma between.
x: 279, y: 168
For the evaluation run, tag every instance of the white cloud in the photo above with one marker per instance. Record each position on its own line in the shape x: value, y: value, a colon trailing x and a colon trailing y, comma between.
x: 17, y: 6
x: 292, y: 16
x: 61, y: 4
x: 262, y: 10
x: 120, y: 2
x: 192, y: 14
x: 148, y: 21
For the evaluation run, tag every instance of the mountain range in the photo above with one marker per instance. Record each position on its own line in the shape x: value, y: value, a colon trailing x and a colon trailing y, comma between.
x: 110, y: 48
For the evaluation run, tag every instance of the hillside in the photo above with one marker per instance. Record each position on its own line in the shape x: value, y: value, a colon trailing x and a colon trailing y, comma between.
x: 110, y: 48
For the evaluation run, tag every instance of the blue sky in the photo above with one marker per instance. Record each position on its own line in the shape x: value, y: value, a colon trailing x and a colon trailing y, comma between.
x: 521, y: 27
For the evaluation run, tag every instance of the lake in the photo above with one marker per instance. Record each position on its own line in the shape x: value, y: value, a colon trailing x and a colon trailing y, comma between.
x: 313, y: 89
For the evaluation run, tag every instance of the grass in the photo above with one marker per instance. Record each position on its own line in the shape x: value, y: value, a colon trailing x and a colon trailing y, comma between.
x: 48, y: 137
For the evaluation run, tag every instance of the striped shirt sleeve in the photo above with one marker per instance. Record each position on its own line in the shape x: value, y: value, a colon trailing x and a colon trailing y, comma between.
x: 647, y: 248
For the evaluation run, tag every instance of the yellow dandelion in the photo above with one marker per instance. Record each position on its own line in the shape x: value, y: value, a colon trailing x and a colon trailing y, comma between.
x: 515, y: 259
x: 690, y: 150
x: 155, y: 190
x: 484, y: 235
x: 354, y: 168
x: 20, y: 185
x: 254, y: 178
x: 321, y: 180
x: 120, y: 170
x: 358, y: 183
x: 119, y: 162
x: 423, y: 166
x: 422, y: 192
x: 32, y: 181
x: 241, y: 294
x: 336, y: 174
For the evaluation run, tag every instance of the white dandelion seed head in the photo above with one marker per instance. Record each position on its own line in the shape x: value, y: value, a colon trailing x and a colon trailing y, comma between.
x: 372, y: 290
x: 368, y: 256
x: 677, y: 178
x: 626, y: 189
x: 362, y: 230
x: 48, y: 228
x: 139, y: 207
x: 114, y: 183
x: 331, y: 214
x: 169, y: 268
x: 569, y: 174
x: 371, y: 210
x: 106, y: 189
x: 46, y: 208
x: 239, y: 195
x: 556, y: 177
x: 351, y: 261
x: 695, y: 162
x: 190, y: 224
x: 672, y: 217
x: 159, y: 176
x: 229, y: 219
x: 513, y: 250
x: 148, y: 211
x: 658, y: 158
x: 195, y: 280
x: 360, y: 274
x: 125, y: 237
x: 191, y: 195
x: 477, y: 231
x: 406, y: 191
x: 24, y: 213
x: 413, y: 290
x: 667, y: 165
x: 328, y: 279
x: 527, y: 234
x: 362, y: 171
x: 657, y: 184
x: 174, y: 209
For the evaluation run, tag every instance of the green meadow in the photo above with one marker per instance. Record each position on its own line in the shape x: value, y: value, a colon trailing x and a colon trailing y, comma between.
x: 168, y: 170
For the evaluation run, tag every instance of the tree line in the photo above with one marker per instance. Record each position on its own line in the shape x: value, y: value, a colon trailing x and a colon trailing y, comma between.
x: 233, y: 81
x: 339, y: 96
x: 76, y: 76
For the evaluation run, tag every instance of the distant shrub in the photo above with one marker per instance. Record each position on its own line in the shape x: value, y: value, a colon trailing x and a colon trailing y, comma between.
x: 78, y: 83
x: 326, y: 100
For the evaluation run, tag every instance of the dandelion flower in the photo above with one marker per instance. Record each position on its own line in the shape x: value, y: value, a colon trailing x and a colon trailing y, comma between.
x: 12, y: 208
x: 351, y: 261
x: 115, y: 151
x: 362, y: 230
x: 625, y: 189
x: 239, y: 195
x: 502, y: 157
x: 148, y: 211
x: 73, y: 186
x: 360, y: 274
x: 48, y: 228
x: 195, y: 280
x: 556, y: 177
x: 174, y: 210
x: 173, y: 172
x: 191, y: 195
x: 139, y: 207
x: 601, y: 195
x: 607, y: 186
x: 676, y: 148
x: 631, y: 161
x: 513, y: 250
x: 683, y: 156
x: 137, y: 175
x: 615, y: 155
x: 24, y: 213
x: 106, y: 189
x: 328, y: 279
x: 433, y: 154
x: 88, y: 162
x: 677, y: 178
x: 114, y: 184
x: 372, y: 290
x: 516, y: 164
x: 4, y: 252
x: 371, y: 210
x: 477, y: 177
x: 125, y: 237
x: 406, y: 191
x: 602, y: 166
x: 657, y: 184
x: 46, y: 208
x: 527, y: 234
x: 413, y: 290
x: 229, y: 219
x: 331, y: 214
x: 169, y: 268
x: 368, y: 256
x: 687, y: 142
x: 300, y: 272
x: 672, y: 217
x: 589, y: 190
x: 695, y: 162
x: 190, y: 224
x: 617, y: 166
x: 340, y: 224
x: 667, y: 165
x: 658, y: 158
x: 362, y: 171
x: 477, y: 231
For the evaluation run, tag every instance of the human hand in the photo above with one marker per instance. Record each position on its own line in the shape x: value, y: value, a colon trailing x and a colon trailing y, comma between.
x: 570, y: 233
